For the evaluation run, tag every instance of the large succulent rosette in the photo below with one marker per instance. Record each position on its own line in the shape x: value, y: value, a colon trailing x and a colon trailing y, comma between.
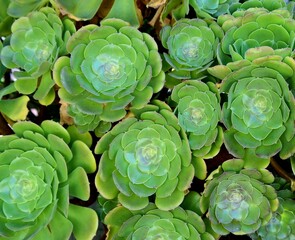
x: 198, y: 111
x: 145, y: 156
x: 42, y: 168
x: 259, y: 111
x: 239, y: 200
x: 111, y: 67
x: 153, y: 223
x: 34, y: 45
x: 252, y: 28
x: 191, y: 45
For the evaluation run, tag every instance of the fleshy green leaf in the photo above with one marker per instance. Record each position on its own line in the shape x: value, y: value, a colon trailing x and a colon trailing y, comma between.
x: 84, y: 220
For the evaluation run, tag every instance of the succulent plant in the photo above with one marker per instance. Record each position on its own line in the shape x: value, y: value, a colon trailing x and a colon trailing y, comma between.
x: 144, y: 156
x: 282, y: 223
x: 198, y: 111
x: 267, y: 4
x: 34, y: 45
x: 259, y: 111
x: 191, y: 45
x: 42, y: 168
x: 252, y: 28
x: 111, y: 67
x: 113, y: 116
x: 153, y: 223
x: 213, y: 8
x: 239, y: 200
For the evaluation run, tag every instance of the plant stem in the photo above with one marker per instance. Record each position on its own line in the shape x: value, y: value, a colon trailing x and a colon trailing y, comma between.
x: 282, y: 173
x: 4, y: 128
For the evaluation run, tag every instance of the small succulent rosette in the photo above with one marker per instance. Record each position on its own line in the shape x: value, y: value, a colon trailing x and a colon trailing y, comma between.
x: 153, y: 223
x: 282, y: 224
x: 253, y: 28
x: 212, y: 9
x: 42, y: 169
x: 238, y: 200
x: 34, y: 45
x: 270, y: 5
x: 198, y: 111
x: 191, y: 45
x: 111, y: 67
x: 145, y: 156
x: 259, y: 111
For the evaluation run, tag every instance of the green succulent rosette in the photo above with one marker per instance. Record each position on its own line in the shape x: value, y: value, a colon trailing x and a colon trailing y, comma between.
x: 153, y: 223
x: 20, y: 8
x: 238, y: 200
x: 255, y: 27
x: 42, y: 169
x: 282, y: 224
x: 145, y: 156
x: 191, y: 45
x: 34, y: 45
x: 259, y: 111
x: 267, y: 4
x: 198, y: 111
x: 111, y: 67
x: 212, y: 9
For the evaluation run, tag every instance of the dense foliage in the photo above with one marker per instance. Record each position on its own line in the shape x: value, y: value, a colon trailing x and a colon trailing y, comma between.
x: 147, y: 119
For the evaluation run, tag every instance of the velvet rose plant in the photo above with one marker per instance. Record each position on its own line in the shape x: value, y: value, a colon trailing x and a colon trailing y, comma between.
x: 147, y: 119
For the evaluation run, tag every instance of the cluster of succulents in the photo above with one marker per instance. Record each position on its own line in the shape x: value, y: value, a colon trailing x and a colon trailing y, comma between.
x: 281, y: 225
x: 147, y: 119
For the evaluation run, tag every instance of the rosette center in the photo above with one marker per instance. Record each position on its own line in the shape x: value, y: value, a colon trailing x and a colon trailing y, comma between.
x: 235, y: 196
x: 148, y: 153
x: 259, y: 104
x: 26, y: 184
x: 37, y: 50
x: 190, y: 50
x: 108, y: 69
